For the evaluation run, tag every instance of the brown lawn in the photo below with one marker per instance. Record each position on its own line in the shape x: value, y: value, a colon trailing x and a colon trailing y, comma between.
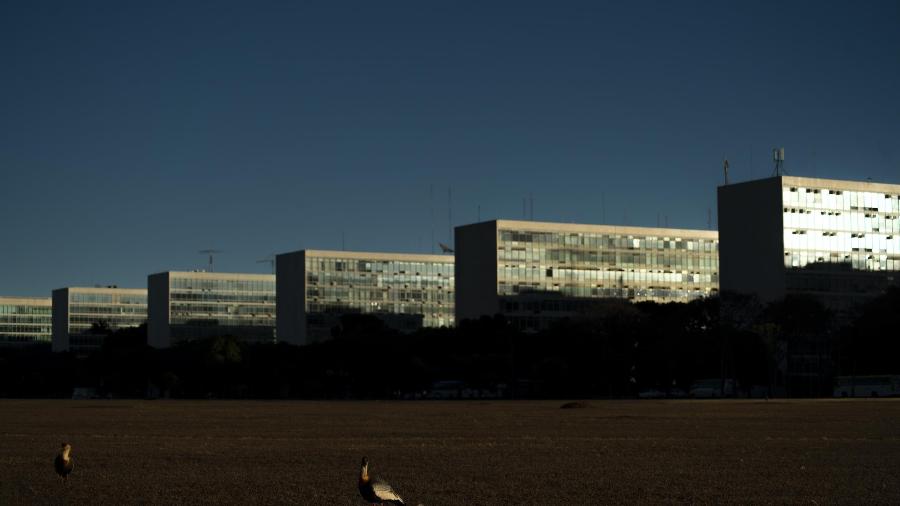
x: 454, y: 453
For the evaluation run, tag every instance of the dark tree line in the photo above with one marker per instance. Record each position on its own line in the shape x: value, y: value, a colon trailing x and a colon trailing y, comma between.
x: 793, y: 347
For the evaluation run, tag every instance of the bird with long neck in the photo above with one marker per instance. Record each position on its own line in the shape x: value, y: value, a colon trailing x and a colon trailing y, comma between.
x: 374, y: 490
x: 63, y: 463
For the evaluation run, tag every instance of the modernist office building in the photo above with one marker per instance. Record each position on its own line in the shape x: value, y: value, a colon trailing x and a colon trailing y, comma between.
x: 77, y: 309
x: 315, y: 288
x: 194, y: 305
x: 535, y: 272
x: 836, y: 240
x: 25, y: 321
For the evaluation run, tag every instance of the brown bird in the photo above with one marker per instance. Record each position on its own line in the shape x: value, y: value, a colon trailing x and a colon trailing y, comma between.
x: 374, y: 490
x: 63, y: 463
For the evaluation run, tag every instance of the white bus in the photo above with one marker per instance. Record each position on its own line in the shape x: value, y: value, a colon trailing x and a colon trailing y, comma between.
x: 867, y: 386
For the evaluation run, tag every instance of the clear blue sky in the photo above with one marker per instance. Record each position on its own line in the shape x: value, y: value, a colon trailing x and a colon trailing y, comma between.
x: 133, y: 134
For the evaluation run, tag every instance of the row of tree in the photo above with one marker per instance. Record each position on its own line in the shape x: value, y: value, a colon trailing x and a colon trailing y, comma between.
x: 794, y: 347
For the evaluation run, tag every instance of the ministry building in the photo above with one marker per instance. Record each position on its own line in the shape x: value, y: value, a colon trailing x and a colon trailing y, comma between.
x: 406, y: 291
x: 838, y: 241
x: 534, y: 273
x: 82, y: 316
x: 25, y: 321
x: 185, y: 306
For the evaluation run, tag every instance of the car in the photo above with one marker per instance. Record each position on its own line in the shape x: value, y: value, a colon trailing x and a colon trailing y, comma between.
x: 651, y: 393
x: 450, y: 389
x: 712, y: 388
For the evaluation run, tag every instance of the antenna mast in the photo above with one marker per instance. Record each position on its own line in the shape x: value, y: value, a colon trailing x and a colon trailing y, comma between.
x: 778, y: 158
x: 725, y: 169
x: 450, y: 214
x: 210, y: 252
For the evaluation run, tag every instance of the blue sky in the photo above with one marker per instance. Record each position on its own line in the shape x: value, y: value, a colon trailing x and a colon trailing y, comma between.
x: 134, y: 134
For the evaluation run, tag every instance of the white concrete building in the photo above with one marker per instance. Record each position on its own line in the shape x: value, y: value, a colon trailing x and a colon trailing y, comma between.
x: 838, y: 241
x: 77, y: 309
x: 407, y: 291
x: 25, y: 321
x: 534, y: 273
x: 188, y: 305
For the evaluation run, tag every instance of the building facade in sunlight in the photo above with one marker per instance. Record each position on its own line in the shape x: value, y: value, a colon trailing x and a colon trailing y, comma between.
x: 535, y: 272
x: 838, y: 241
x: 185, y: 306
x: 25, y: 321
x: 406, y: 291
x: 83, y: 316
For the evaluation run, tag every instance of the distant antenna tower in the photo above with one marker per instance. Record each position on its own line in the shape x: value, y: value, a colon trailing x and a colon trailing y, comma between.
x: 210, y: 252
x: 450, y: 214
x: 778, y: 158
x: 268, y: 260
x: 725, y: 169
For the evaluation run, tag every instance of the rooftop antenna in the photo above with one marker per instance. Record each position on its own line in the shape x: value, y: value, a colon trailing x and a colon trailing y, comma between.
x: 725, y: 168
x: 778, y: 158
x: 210, y: 252
x: 268, y: 260
x: 431, y: 199
x: 450, y: 214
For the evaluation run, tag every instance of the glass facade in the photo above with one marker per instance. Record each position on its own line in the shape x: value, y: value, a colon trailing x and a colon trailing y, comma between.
x: 857, y: 228
x: 25, y: 321
x: 118, y: 310
x: 839, y: 239
x: 215, y: 304
x: 407, y: 293
x: 660, y: 267
x: 116, y: 307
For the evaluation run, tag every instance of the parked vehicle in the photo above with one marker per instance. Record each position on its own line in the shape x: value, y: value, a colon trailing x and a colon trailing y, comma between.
x: 651, y: 393
x: 712, y: 388
x: 867, y: 386
x: 451, y: 389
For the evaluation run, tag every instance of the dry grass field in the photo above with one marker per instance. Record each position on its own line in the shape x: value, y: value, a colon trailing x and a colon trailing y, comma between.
x: 454, y: 453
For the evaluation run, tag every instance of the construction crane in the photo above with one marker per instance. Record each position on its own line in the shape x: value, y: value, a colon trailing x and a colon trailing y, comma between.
x: 210, y: 252
x: 268, y: 260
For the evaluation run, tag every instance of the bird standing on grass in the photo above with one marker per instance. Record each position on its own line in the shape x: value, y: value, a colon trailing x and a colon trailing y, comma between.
x: 63, y: 463
x: 374, y: 490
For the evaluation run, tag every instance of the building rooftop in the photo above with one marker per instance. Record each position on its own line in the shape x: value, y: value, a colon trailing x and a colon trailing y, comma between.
x: 832, y: 184
x: 368, y: 255
x: 37, y: 301
x: 542, y: 226
x: 217, y: 275
x: 103, y: 289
